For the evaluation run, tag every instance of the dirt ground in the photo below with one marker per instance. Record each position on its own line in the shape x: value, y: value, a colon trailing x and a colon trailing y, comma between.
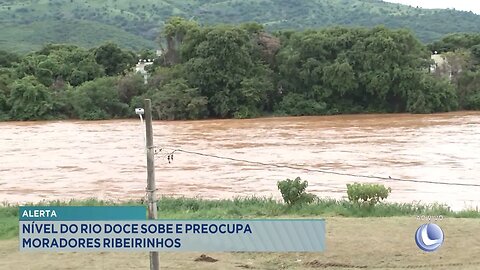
x: 352, y: 243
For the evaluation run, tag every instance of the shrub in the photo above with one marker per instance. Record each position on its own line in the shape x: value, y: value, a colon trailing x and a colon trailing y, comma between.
x: 98, y: 99
x: 368, y: 193
x: 297, y: 105
x: 293, y: 191
x: 176, y: 100
x: 29, y: 99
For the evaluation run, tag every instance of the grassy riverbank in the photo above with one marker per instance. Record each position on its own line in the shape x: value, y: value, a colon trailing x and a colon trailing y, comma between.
x: 192, y: 208
x: 351, y: 243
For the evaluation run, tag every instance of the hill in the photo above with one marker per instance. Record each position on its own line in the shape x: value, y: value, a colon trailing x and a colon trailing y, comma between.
x: 28, y: 24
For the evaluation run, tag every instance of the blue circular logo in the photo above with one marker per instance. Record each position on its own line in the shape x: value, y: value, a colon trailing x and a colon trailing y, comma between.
x: 429, y: 237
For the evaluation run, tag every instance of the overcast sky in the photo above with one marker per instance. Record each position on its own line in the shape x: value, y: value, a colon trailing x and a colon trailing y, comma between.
x: 467, y: 5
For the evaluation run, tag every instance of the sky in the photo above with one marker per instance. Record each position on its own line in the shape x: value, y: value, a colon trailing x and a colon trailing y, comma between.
x: 467, y: 5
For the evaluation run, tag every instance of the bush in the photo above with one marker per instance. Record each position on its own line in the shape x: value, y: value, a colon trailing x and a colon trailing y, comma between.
x: 98, y: 99
x: 368, y: 193
x: 29, y: 99
x: 432, y: 95
x: 176, y: 100
x: 298, y: 105
x: 293, y: 191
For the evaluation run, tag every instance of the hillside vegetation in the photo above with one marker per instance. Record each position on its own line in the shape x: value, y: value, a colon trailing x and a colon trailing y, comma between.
x: 29, y: 24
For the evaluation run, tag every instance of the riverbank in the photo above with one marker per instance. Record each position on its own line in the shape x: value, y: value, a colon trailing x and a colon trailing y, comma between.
x: 250, y: 208
x: 266, y: 116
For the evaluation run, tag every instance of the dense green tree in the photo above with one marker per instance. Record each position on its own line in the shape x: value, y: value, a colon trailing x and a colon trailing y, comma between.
x: 147, y: 54
x: 89, y: 67
x: 242, y: 71
x: 61, y: 62
x: 432, y: 95
x: 52, y: 48
x: 475, y: 50
x: 130, y: 86
x: 468, y: 87
x: 7, y: 77
x: 219, y: 62
x: 455, y: 41
x: 98, y: 99
x: 4, y: 107
x: 7, y: 59
x: 173, y: 35
x: 29, y: 99
x: 163, y: 75
x: 115, y: 60
x: 254, y: 94
x: 462, y: 67
x: 78, y: 77
x: 342, y: 70
x: 176, y: 100
x: 297, y: 105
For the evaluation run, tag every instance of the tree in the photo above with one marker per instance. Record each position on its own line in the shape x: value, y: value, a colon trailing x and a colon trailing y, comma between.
x: 90, y: 68
x: 98, y: 99
x: 297, y: 105
x: 475, y: 52
x: 7, y: 59
x: 220, y: 62
x: 456, y: 63
x: 130, y: 86
x: 453, y: 42
x: 29, y: 99
x: 174, y: 32
x: 432, y: 95
x: 267, y: 45
x: 61, y: 62
x: 114, y: 59
x: 462, y: 69
x: 7, y: 77
x: 147, y: 54
x: 343, y: 70
x: 177, y: 100
x: 468, y: 89
x: 78, y: 77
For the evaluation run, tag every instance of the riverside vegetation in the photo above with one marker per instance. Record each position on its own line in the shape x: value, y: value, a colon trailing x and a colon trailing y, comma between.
x: 364, y: 200
x: 242, y: 71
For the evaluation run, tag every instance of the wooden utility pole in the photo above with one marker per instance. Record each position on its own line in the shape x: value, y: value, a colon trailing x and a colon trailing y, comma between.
x: 151, y: 189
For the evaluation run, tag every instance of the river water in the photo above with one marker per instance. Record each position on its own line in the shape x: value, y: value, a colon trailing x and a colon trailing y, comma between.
x: 106, y: 159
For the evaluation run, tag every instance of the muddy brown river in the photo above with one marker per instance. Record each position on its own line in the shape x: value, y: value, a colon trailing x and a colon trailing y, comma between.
x: 106, y: 159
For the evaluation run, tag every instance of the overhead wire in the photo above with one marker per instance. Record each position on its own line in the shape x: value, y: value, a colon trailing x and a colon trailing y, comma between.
x: 169, y: 155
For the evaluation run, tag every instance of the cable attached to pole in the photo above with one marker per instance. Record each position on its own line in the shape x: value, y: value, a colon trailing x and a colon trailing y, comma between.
x: 298, y: 167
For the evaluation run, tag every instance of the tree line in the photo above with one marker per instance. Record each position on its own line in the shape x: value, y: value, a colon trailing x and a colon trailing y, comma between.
x: 241, y: 71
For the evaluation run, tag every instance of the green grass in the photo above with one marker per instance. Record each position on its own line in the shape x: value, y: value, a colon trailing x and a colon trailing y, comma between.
x: 8, y: 222
x: 248, y: 208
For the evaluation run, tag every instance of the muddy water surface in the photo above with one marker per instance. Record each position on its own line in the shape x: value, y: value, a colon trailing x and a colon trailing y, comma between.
x: 106, y: 159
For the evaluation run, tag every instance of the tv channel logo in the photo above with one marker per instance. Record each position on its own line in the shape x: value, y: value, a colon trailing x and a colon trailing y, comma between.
x: 429, y: 237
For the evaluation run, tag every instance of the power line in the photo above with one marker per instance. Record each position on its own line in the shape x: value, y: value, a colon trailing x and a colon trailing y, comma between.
x: 169, y: 156
x: 297, y: 167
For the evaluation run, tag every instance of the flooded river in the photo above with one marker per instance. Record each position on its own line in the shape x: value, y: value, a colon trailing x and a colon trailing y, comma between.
x: 106, y: 159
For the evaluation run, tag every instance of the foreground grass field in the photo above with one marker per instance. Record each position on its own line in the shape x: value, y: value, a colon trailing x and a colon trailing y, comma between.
x: 352, y: 243
x: 192, y: 208
x: 358, y: 237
